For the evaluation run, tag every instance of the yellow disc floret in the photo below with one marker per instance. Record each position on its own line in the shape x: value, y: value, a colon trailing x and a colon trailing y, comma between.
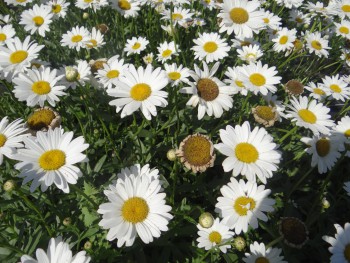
x: 215, y: 237
x: 246, y: 152
x: 197, y: 150
x: 307, y: 116
x: 243, y: 204
x: 18, y: 56
x: 140, y: 91
x: 3, y: 139
x: 41, y: 87
x: 135, y: 210
x: 208, y: 90
x: 52, y: 160
x: 239, y: 15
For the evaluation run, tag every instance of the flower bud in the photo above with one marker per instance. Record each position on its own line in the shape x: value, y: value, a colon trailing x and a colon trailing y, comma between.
x: 325, y: 203
x: 67, y: 221
x: 206, y: 220
x: 9, y: 186
x: 71, y: 74
x: 85, y: 15
x: 239, y: 243
x: 171, y: 155
x: 87, y: 245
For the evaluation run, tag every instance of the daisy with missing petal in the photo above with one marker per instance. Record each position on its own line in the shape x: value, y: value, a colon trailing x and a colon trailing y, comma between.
x: 259, y: 254
x: 235, y: 80
x: 135, y: 45
x: 167, y: 50
x: 317, y: 92
x: 37, y: 19
x: 76, y: 38
x: 50, y: 158
x: 136, y: 207
x: 57, y: 251
x: 140, y: 89
x: 215, y: 236
x: 112, y: 70
x: 210, y: 94
x: 211, y: 47
x: 250, y: 54
x: 58, y: 7
x: 127, y: 8
x: 176, y: 74
x: 284, y: 39
x: 336, y: 87
x: 340, y: 243
x: 7, y: 32
x: 310, y: 115
x: 95, y: 39
x: 260, y: 78
x: 242, y: 17
x: 250, y: 153
x: 11, y: 137
x: 242, y: 204
x: 316, y: 44
x: 347, y: 187
x: 37, y: 86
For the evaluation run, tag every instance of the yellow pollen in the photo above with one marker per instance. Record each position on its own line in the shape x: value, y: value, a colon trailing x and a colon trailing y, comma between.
x: 174, y: 75
x: 239, y: 15
x: 335, y: 88
x: 166, y: 53
x: 40, y: 119
x: 76, y: 38
x: 323, y: 147
x: 210, y: 47
x: 262, y: 260
x: 176, y: 16
x: 243, y: 204
x: 283, y: 40
x: 21, y: 1
x: 215, y: 237
x: 41, y: 87
x: 140, y: 91
x: 246, y: 152
x: 266, y: 20
x: 207, y: 89
x: 347, y: 133
x: 38, y: 20
x: 112, y: 74
x: 344, y: 30
x: 98, y: 64
x: 319, y: 91
x: 136, y: 46
x: 18, y: 56
x: 3, y: 37
x: 307, y: 116
x: 265, y: 112
x: 3, y: 139
x: 124, y: 5
x: 135, y: 210
x: 239, y: 83
x: 257, y: 79
x: 93, y: 43
x: 56, y: 9
x: 52, y: 160
x: 347, y: 252
x: 299, y: 20
x: 316, y: 45
x: 345, y: 8
x: 298, y: 44
x: 88, y: 1
x: 196, y: 150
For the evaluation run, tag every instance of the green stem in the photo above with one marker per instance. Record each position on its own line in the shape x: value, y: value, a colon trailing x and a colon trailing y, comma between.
x: 289, y: 133
x: 299, y: 182
x: 274, y: 242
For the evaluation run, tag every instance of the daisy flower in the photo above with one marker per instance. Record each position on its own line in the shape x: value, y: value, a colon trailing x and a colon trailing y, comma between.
x: 135, y: 45
x: 166, y: 50
x: 250, y: 153
x: 235, y: 80
x: 243, y: 204
x: 342, y: 131
x: 290, y: 3
x: 343, y: 29
x: 347, y: 187
x: 38, y: 19
x: 50, y: 158
x: 136, y: 170
x: 250, y: 54
x: 140, y: 89
x: 18, y: 2
x: 112, y: 70
x: 95, y: 39
x: 258, y: 253
x: 136, y: 207
x: 284, y: 39
x: 76, y: 38
x: 271, y: 20
x: 241, y: 17
x: 336, y: 87
x: 310, y: 115
x: 316, y: 44
x: 148, y: 59
x: 5, y: 19
x: 239, y: 42
x: 16, y: 57
x: 260, y: 78
x: 215, y: 236
x: 211, y: 47
x: 37, y: 86
x: 317, y: 8
x: 43, y: 119
x: 176, y: 74
x: 11, y: 137
x: 210, y: 94
x: 274, y: 102
x: 317, y: 92
x: 340, y: 243
x: 127, y: 8
x: 179, y: 15
x: 58, y: 7
x: 343, y: 8
x: 210, y: 4
x: 299, y: 17
x: 7, y: 32
x: 57, y: 251
x: 346, y: 57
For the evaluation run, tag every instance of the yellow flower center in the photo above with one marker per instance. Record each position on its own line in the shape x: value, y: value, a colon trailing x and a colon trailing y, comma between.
x: 243, y: 204
x: 257, y: 79
x: 265, y: 113
x: 298, y: 44
x: 136, y: 46
x: 140, y: 91
x: 345, y: 8
x: 323, y: 147
x: 266, y: 20
x: 215, y: 237
x: 210, y: 47
x: 38, y: 20
x: 93, y: 43
x: 246, y: 152
x: 18, y: 56
x: 196, y: 150
x: 347, y: 133
x: 40, y: 119
x: 239, y: 83
x: 52, y: 160
x: 41, y: 87
x: 307, y: 116
x: 76, y: 38
x: 262, y: 260
x: 344, y: 30
x: 98, y: 64
x: 56, y: 9
x: 135, y: 210
x: 208, y: 90
x: 335, y: 88
x: 21, y: 1
x: 88, y: 1
x: 319, y: 91
x: 112, y: 74
x: 166, y: 53
x: 174, y: 75
x: 3, y: 139
x: 239, y: 15
x: 176, y: 16
x: 283, y: 40
x: 347, y: 252
x: 299, y: 20
x: 124, y: 5
x: 3, y: 37
x: 316, y: 45
x: 294, y: 87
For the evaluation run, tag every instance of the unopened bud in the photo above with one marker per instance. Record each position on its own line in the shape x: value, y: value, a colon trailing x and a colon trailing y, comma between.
x: 171, y: 155
x: 85, y: 15
x: 67, y: 221
x: 87, y: 245
x: 206, y: 220
x: 71, y: 74
x: 9, y: 186
x: 325, y: 203
x: 239, y: 243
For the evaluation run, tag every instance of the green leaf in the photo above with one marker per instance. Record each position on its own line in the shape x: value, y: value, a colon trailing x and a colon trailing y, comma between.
x: 100, y: 163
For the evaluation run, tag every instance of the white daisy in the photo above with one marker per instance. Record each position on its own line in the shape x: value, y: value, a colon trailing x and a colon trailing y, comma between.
x: 95, y: 39
x: 136, y: 207
x: 235, y: 80
x: 210, y: 4
x: 336, y: 87
x: 310, y: 115
x: 136, y: 170
x: 271, y: 20
x: 274, y: 102
x: 258, y: 253
x: 316, y: 44
x: 38, y: 19
x: 290, y: 3
x: 18, y: 2
x: 250, y: 54
x: 250, y: 153
x: 316, y: 91
x: 347, y: 187
x: 342, y: 131
x: 58, y: 7
x: 218, y: 235
x: 176, y: 74
x: 135, y: 45
x: 343, y: 8
x: 210, y: 94
x: 58, y: 251
x: 127, y: 8
x: 167, y: 50
x: 242, y: 204
x: 140, y: 89
x: 112, y: 70
x: 179, y: 15
x: 50, y: 158
x: 340, y: 243
x: 37, y: 86
x: 148, y: 59
x: 284, y: 39
x: 76, y: 38
x: 7, y: 32
x: 11, y: 137
x: 299, y: 17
